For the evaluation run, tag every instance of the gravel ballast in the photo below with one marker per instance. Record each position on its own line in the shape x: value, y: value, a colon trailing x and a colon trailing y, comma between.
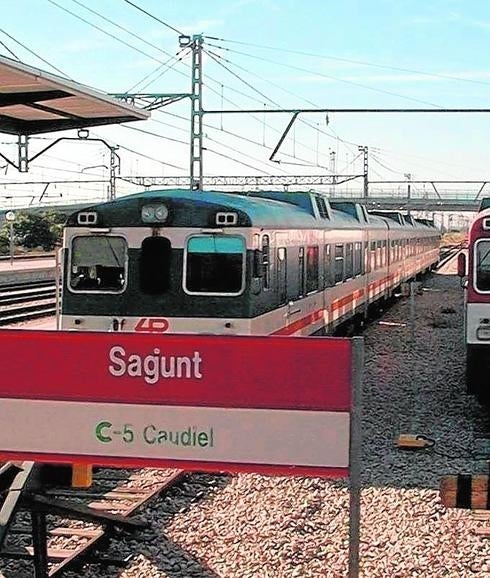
x: 252, y: 526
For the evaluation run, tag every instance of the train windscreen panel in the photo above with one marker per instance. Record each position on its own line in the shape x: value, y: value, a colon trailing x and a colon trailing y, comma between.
x: 482, y: 276
x: 215, y: 265
x: 98, y: 263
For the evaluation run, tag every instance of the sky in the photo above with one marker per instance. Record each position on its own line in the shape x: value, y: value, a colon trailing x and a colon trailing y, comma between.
x: 265, y: 54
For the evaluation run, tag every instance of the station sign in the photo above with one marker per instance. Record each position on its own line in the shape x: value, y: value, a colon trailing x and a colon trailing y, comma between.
x: 279, y: 405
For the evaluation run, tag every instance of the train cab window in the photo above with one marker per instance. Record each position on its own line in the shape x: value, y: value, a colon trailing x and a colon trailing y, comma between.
x: 311, y: 269
x: 482, y: 272
x: 266, y: 264
x: 155, y: 258
x: 98, y: 263
x: 214, y: 265
x: 339, y: 263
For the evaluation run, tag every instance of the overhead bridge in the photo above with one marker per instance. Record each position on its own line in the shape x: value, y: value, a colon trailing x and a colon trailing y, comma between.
x: 397, y: 203
x: 428, y: 195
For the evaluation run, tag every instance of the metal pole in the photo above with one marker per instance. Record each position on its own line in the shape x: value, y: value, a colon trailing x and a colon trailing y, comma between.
x: 355, y: 453
x: 59, y: 260
x: 333, y: 170
x: 114, y: 165
x: 364, y: 150
x: 11, y: 235
x: 408, y: 176
x: 196, y: 161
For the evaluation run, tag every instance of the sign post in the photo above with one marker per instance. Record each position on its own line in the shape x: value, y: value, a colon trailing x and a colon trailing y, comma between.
x: 10, y: 217
x: 355, y: 456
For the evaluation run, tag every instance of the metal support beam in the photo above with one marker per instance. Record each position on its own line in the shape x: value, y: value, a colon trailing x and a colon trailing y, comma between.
x: 435, y: 189
x: 243, y: 180
x: 151, y: 101
x: 23, y: 151
x: 283, y: 136
x: 364, y: 150
x: 348, y: 110
x: 481, y: 190
x: 114, y: 167
x: 196, y: 160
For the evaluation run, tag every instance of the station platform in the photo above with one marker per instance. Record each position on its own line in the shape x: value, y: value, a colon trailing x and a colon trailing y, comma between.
x: 27, y: 271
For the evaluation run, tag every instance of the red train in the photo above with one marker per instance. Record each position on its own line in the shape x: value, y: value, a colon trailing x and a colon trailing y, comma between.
x: 477, y: 306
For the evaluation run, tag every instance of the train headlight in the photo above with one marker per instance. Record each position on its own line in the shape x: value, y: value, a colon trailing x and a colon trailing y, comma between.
x: 154, y: 213
x: 161, y: 213
x: 483, y: 332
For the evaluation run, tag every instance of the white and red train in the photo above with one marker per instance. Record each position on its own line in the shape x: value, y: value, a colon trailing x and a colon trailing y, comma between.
x: 262, y: 263
x: 477, y: 306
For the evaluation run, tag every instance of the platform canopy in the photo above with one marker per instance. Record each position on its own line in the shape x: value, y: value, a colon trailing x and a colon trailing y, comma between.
x: 33, y: 101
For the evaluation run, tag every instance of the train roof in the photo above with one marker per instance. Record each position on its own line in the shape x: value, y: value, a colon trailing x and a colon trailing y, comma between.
x: 480, y: 227
x: 270, y: 209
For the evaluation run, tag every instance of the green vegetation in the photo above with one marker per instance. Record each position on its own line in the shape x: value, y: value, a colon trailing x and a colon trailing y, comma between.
x: 34, y: 231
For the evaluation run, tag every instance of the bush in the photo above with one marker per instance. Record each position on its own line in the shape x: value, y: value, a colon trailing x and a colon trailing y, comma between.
x: 38, y: 230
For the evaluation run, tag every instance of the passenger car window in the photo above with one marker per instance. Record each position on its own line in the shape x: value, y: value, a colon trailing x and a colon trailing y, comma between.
x: 339, y: 263
x: 266, y: 268
x: 215, y: 265
x: 311, y: 269
x: 349, y: 264
x: 98, y: 263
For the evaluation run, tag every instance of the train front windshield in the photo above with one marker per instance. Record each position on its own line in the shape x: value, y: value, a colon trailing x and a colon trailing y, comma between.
x: 215, y: 265
x: 482, y: 276
x: 98, y: 263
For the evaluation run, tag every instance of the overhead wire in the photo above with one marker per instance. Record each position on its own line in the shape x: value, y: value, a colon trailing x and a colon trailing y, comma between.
x: 347, y: 143
x: 275, y: 130
x: 11, y: 52
x: 129, y: 32
x: 123, y: 28
x: 33, y: 53
x: 376, y: 160
x: 114, y: 37
x: 168, y: 66
x: 282, y: 88
x: 323, y: 75
x: 166, y: 24
x: 142, y: 155
x: 352, y: 61
x: 237, y: 161
x: 132, y: 47
x: 141, y: 130
x: 206, y: 148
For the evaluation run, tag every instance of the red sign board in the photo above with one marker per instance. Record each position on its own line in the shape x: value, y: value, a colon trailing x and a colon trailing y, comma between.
x: 265, y: 404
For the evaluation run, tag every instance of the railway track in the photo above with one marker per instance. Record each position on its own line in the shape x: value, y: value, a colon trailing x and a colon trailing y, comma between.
x: 21, y: 302
x: 81, y: 521
x: 27, y: 257
x: 448, y: 252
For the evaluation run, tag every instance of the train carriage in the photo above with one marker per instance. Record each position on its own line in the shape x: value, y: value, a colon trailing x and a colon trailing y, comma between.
x: 262, y: 263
